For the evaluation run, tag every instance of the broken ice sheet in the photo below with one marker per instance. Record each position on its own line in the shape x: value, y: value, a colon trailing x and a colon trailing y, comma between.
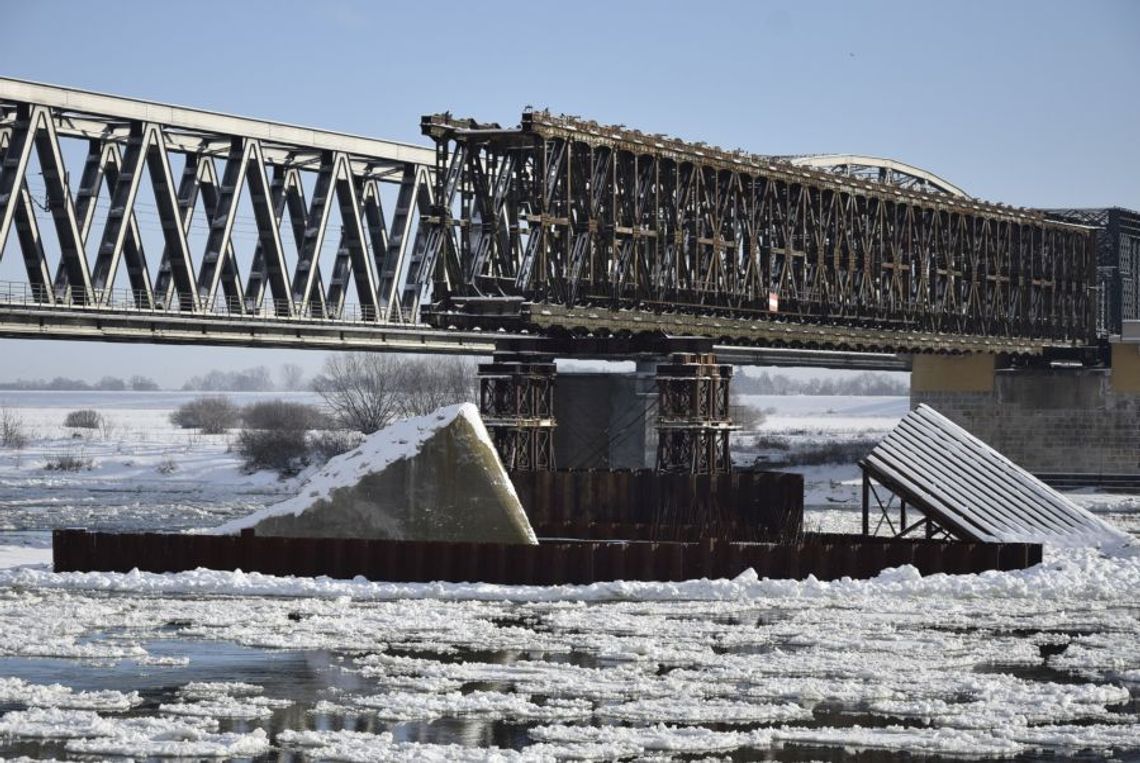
x: 956, y: 652
x: 17, y: 691
x: 412, y: 706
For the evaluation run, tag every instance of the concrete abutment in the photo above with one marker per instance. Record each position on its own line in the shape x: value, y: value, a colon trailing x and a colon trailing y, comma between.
x: 1048, y: 420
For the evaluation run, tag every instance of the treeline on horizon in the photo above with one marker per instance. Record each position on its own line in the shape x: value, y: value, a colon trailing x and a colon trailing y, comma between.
x: 866, y: 384
x: 290, y: 377
x: 256, y: 379
x: 135, y: 383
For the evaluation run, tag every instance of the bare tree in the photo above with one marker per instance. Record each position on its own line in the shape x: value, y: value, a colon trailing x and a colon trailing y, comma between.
x: 361, y: 389
x: 431, y: 383
x: 291, y: 376
x: 366, y: 392
x: 142, y: 383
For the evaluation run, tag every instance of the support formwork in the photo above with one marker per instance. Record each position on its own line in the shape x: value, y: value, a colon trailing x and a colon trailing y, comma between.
x: 516, y: 400
x: 693, y: 421
x: 889, y: 511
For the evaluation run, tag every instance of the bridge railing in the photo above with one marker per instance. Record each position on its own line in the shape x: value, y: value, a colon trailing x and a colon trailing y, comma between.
x: 34, y: 296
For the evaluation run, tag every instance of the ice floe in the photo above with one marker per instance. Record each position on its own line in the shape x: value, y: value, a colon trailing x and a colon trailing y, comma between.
x: 17, y: 691
x: 990, y: 664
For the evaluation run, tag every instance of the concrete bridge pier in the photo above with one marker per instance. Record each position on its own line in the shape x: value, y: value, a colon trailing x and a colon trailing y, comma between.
x: 606, y: 420
x: 671, y: 413
x: 1047, y: 420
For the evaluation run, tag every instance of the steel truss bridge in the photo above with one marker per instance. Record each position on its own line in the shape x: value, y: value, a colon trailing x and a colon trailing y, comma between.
x: 138, y: 221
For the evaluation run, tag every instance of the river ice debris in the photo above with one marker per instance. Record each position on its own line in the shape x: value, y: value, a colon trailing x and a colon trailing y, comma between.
x: 1040, y: 661
x: 939, y: 664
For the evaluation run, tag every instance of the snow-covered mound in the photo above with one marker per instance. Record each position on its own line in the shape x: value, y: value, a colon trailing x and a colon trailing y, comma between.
x: 433, y: 477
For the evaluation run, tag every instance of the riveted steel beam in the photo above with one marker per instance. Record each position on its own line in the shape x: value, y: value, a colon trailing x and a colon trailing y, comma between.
x: 619, y: 231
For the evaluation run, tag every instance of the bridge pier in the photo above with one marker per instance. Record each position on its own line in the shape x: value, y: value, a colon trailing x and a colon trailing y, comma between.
x: 606, y: 420
x: 693, y: 423
x: 671, y: 413
x: 1047, y: 420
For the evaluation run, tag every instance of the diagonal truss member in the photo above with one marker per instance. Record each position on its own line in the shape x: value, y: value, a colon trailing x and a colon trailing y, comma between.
x: 169, y: 162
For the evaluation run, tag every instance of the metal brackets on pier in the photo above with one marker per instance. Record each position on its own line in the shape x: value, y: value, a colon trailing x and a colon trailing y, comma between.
x: 693, y: 422
x: 516, y: 400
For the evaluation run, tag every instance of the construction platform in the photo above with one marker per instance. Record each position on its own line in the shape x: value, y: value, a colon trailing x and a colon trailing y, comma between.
x: 592, y: 526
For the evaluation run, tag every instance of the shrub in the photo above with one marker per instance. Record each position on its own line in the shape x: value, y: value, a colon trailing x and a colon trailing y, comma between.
x: 84, y: 419
x: 275, y: 437
x: 749, y: 419
x: 770, y: 442
x: 330, y: 444
x: 834, y: 452
x: 213, y: 415
x: 282, y: 450
x: 282, y: 414
x: 107, y: 428
x: 68, y: 462
x: 12, y: 431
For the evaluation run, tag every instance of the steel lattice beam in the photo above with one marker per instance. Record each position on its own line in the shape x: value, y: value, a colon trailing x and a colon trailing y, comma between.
x: 557, y: 226
x: 594, y: 228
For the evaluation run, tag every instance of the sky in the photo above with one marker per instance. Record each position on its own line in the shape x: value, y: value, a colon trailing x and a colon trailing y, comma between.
x: 1027, y: 103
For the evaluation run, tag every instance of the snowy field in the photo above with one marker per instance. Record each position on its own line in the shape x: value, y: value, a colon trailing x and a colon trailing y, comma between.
x: 199, y: 665
x: 141, y: 471
x: 832, y: 492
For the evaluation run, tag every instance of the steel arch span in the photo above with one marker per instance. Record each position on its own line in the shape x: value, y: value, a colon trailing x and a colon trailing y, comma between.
x: 878, y: 169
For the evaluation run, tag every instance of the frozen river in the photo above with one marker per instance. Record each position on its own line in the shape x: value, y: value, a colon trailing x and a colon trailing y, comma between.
x: 1043, y: 662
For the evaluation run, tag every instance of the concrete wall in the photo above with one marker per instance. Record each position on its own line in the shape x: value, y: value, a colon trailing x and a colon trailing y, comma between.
x: 606, y: 421
x: 1046, y: 420
x: 952, y: 373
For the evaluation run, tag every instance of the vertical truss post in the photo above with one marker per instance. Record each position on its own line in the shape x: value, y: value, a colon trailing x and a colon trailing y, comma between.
x: 866, y: 503
x: 516, y: 400
x: 693, y: 421
x: 885, y: 496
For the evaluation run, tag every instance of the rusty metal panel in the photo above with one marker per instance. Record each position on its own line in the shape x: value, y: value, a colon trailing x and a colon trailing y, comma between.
x: 828, y: 557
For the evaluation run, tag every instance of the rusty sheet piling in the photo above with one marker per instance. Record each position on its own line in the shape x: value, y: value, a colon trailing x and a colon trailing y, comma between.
x: 555, y: 561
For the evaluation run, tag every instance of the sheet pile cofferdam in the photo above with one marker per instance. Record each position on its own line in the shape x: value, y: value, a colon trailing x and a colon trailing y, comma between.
x: 565, y: 225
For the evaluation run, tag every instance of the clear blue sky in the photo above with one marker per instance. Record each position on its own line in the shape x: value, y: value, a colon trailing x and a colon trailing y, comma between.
x: 1028, y: 103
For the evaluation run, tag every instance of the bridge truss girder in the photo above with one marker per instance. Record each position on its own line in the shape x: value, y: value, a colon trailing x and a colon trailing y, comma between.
x: 194, y: 160
x: 568, y: 217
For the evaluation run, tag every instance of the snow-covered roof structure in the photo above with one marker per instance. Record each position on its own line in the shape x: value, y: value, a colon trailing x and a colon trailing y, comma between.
x: 972, y: 491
